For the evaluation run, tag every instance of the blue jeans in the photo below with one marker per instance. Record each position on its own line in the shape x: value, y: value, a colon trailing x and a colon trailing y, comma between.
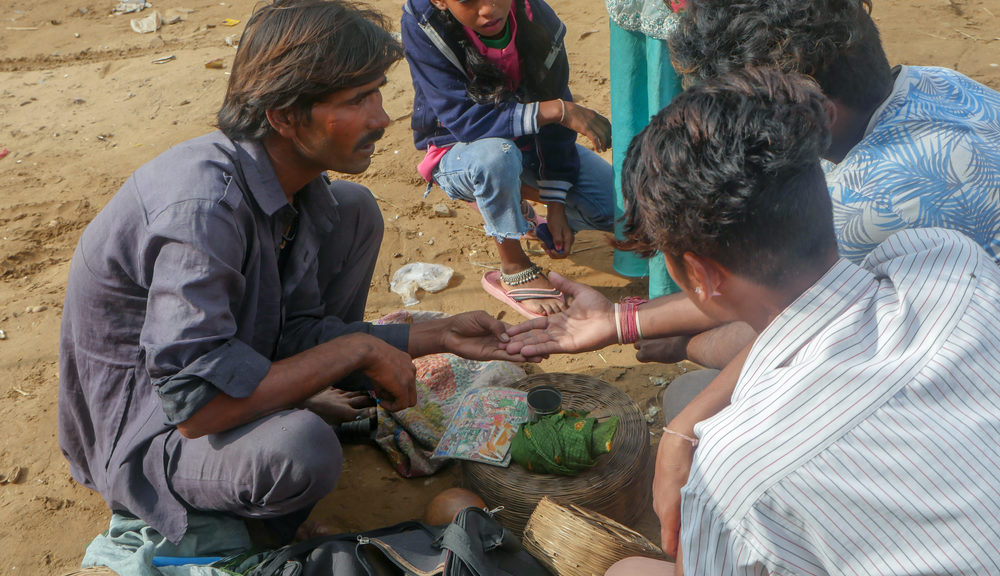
x: 490, y: 172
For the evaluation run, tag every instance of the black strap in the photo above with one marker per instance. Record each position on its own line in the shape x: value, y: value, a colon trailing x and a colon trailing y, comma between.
x: 456, y: 540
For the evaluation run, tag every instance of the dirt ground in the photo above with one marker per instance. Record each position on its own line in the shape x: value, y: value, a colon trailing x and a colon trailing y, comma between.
x: 85, y: 100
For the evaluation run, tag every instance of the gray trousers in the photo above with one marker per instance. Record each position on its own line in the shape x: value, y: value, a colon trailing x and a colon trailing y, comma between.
x: 278, y: 467
x: 683, y: 389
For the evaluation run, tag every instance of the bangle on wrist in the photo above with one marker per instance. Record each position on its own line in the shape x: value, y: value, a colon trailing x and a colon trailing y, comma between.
x: 563, y: 115
x: 691, y: 439
x: 628, y: 329
x: 618, y: 323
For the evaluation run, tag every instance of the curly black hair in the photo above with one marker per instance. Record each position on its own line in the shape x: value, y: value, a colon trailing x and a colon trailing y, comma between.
x: 833, y: 41
x: 730, y: 170
x: 489, y: 84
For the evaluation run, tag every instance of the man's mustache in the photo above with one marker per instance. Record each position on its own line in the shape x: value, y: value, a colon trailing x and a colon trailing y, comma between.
x: 371, y: 138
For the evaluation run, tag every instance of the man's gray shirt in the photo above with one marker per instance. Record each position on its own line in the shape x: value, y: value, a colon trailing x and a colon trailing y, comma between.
x: 174, y: 295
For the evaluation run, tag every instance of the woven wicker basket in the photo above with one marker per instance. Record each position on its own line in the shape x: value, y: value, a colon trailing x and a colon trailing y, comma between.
x: 618, y: 485
x: 573, y: 541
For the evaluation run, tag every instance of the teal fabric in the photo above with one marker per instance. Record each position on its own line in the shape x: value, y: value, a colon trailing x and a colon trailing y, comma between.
x: 129, y: 546
x: 642, y: 83
x: 654, y: 18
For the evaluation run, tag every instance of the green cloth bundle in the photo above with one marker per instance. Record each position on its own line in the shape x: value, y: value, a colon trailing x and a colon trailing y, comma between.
x: 562, y: 443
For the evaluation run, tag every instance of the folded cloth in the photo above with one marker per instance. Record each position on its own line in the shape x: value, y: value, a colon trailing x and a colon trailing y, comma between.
x: 131, y: 547
x: 563, y: 443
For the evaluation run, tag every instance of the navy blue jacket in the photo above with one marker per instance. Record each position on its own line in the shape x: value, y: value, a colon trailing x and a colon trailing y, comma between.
x: 444, y: 114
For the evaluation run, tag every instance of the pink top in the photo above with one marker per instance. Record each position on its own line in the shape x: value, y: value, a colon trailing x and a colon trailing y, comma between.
x: 506, y: 59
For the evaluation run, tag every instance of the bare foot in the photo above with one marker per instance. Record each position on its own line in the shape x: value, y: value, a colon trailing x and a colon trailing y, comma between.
x: 514, y: 260
x: 663, y: 350
x: 311, y: 529
x: 337, y: 406
x: 543, y: 306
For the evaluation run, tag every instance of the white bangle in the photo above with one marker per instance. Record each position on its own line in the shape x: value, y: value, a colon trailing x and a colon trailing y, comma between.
x: 693, y: 441
x: 563, y: 117
x: 618, y: 324
x: 638, y: 328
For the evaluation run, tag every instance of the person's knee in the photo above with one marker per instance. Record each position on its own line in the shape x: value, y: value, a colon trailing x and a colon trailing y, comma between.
x: 683, y: 389
x: 717, y: 347
x: 304, y: 461
x: 636, y: 566
x: 497, y: 160
x: 356, y: 203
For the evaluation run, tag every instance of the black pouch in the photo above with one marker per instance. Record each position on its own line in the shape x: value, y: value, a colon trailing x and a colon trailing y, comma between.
x: 475, y: 544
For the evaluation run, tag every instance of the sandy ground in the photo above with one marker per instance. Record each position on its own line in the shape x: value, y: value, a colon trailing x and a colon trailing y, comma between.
x: 83, y: 102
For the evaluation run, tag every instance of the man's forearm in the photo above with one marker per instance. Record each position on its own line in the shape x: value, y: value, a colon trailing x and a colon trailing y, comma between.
x: 426, y: 337
x: 288, y: 383
x: 673, y: 315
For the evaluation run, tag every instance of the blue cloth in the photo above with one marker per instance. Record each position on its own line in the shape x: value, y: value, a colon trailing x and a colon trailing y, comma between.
x: 443, y: 113
x: 174, y: 295
x: 643, y: 82
x: 929, y: 158
x: 490, y: 172
x: 130, y: 546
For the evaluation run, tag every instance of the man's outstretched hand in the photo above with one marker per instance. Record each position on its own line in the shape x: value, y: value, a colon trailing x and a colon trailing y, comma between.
x: 478, y: 336
x: 475, y: 335
x: 588, y: 324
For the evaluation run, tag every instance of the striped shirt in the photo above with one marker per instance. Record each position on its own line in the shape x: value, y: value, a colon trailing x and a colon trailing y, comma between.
x: 864, y: 432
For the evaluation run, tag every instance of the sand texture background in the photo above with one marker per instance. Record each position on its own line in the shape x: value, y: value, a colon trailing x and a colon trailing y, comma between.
x: 83, y: 103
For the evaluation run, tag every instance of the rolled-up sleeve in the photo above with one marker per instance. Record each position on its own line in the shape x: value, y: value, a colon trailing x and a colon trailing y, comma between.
x: 192, y: 263
x: 228, y: 368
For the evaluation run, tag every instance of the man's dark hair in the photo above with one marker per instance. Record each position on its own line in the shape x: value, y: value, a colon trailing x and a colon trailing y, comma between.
x: 294, y: 53
x: 489, y: 83
x: 730, y: 170
x: 834, y: 41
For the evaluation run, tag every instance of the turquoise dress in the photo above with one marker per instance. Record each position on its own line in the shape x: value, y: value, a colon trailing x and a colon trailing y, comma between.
x: 642, y: 83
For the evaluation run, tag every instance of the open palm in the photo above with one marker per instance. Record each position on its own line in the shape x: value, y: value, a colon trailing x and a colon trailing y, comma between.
x: 587, y: 324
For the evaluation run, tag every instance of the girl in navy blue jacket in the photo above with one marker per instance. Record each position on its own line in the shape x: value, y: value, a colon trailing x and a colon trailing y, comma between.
x: 493, y: 110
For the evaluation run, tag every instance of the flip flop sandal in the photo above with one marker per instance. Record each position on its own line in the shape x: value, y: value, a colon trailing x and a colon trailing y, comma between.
x: 513, y: 298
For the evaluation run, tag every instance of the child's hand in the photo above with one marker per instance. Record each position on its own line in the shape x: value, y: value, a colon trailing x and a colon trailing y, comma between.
x: 562, y: 234
x: 589, y: 123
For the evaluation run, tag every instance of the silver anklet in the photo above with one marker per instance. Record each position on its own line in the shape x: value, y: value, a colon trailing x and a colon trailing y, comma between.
x: 523, y: 276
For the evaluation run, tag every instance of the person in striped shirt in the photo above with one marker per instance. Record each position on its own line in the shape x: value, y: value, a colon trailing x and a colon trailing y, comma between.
x: 863, y: 435
x: 911, y: 147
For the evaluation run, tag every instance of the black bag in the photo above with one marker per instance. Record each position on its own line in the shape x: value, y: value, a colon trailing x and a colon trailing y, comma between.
x: 474, y: 544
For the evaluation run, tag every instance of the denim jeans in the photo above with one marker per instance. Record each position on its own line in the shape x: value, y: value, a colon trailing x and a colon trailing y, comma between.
x: 490, y: 172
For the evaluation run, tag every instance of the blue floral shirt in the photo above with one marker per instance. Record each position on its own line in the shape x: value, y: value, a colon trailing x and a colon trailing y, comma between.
x: 930, y: 158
